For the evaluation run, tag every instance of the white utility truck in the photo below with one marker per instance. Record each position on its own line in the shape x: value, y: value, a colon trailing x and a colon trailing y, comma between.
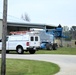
x: 22, y: 42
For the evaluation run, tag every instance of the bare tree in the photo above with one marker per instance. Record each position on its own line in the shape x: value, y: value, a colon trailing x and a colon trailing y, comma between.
x: 66, y: 32
x: 65, y: 28
x: 25, y: 17
x: 73, y: 32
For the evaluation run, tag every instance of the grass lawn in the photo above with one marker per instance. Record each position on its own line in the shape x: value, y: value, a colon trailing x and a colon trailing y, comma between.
x: 29, y: 67
x: 62, y: 50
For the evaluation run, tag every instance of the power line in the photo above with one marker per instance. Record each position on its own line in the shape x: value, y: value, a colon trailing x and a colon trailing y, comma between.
x: 10, y: 17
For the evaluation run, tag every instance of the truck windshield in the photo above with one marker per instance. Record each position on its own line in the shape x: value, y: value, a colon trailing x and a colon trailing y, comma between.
x: 0, y: 40
x: 6, y: 38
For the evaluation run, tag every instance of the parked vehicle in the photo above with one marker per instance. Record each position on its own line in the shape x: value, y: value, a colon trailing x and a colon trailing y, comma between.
x: 22, y: 42
x: 47, y: 40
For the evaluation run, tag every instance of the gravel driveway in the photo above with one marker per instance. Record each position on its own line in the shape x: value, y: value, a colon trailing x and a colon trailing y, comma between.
x: 67, y: 63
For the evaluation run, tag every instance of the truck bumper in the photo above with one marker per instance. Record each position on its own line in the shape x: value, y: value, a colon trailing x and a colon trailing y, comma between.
x: 33, y: 48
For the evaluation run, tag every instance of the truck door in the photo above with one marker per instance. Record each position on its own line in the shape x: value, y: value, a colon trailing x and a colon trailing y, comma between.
x: 6, y: 43
x: 7, y: 47
x: 37, y: 41
x: 31, y: 41
x: 34, y: 41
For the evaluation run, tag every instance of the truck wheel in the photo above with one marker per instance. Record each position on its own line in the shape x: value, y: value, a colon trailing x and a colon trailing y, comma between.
x: 20, y: 50
x: 48, y: 46
x: 32, y: 51
x: 55, y: 46
x: 7, y: 51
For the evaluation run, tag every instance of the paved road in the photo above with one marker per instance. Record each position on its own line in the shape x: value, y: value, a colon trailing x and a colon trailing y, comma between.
x: 67, y: 63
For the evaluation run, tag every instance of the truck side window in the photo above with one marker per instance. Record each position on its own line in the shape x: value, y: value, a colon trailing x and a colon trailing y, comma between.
x: 6, y: 38
x: 36, y: 38
x: 32, y: 38
x: 0, y: 40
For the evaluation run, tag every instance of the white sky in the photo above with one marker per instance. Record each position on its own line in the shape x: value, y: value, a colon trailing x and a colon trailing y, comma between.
x: 53, y: 12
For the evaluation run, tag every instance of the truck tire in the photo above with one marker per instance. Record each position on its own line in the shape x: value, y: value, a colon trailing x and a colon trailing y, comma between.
x: 7, y: 51
x: 19, y: 50
x: 48, y: 46
x: 55, y: 46
x: 32, y: 51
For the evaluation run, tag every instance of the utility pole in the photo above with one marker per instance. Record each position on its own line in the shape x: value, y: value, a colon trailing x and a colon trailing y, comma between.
x: 4, y: 33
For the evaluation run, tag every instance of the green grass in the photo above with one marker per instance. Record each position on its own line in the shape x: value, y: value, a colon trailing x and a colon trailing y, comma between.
x: 62, y: 50
x: 30, y: 67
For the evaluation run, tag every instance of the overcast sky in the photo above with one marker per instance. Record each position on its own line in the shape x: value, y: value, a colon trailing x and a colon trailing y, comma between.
x: 44, y: 11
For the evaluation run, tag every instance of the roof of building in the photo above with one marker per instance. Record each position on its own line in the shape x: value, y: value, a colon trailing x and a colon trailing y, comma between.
x: 19, y: 22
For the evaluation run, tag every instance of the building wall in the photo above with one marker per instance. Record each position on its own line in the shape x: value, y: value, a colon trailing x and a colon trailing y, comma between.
x: 0, y: 29
x: 22, y: 26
